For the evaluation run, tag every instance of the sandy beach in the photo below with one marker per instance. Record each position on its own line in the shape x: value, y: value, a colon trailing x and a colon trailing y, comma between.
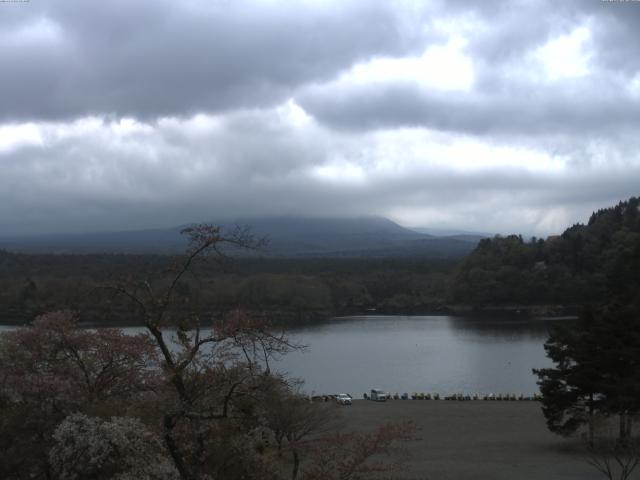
x: 478, y: 440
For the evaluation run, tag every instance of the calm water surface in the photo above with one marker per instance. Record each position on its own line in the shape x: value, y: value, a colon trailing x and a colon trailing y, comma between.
x: 423, y: 354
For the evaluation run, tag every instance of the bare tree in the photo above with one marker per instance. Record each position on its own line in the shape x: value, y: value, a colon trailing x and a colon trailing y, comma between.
x: 615, y: 459
x: 209, y: 371
x: 296, y: 422
x: 356, y: 456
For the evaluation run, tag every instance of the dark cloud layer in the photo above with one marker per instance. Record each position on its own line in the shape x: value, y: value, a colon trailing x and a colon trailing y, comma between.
x: 514, y: 110
x: 481, y: 115
x: 146, y: 59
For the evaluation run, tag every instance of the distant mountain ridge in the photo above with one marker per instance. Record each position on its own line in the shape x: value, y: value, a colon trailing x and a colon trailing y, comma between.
x: 289, y: 236
x: 453, y: 233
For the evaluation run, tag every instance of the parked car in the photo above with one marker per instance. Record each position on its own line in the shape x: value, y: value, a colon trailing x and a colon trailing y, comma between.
x: 343, y: 399
x: 379, y: 395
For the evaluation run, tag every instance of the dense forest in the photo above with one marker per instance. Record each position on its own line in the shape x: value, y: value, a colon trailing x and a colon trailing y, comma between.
x: 288, y: 290
x: 587, y: 263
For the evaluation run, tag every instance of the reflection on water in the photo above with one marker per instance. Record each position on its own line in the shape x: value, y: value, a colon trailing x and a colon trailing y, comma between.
x: 425, y: 354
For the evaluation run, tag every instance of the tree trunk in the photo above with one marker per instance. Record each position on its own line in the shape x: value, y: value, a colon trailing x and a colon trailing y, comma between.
x: 591, y: 421
x: 279, y: 437
x: 296, y: 465
x: 624, y: 428
x: 178, y: 461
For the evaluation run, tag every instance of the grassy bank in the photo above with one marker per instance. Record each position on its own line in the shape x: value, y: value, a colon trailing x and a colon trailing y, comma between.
x: 477, y: 440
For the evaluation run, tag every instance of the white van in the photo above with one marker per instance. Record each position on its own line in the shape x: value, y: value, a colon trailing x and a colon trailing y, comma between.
x: 378, y: 395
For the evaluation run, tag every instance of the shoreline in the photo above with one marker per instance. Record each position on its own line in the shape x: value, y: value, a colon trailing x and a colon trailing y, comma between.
x: 292, y: 320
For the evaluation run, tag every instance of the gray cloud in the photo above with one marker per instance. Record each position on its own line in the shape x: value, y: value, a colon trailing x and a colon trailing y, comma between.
x: 516, y: 109
x: 507, y: 96
x: 147, y: 59
x: 98, y: 177
x: 155, y: 114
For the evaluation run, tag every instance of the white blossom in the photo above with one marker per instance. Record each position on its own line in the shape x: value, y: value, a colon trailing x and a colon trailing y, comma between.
x: 120, y: 448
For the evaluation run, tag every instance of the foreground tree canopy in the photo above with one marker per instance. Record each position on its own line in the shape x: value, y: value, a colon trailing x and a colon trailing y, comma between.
x: 597, y: 360
x: 190, y: 398
x: 597, y: 372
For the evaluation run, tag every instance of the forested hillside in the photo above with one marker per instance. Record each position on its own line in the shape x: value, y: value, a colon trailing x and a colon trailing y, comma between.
x: 587, y: 263
x: 290, y: 290
x: 590, y: 263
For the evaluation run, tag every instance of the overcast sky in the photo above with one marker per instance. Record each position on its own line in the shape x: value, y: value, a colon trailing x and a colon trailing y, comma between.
x: 495, y: 116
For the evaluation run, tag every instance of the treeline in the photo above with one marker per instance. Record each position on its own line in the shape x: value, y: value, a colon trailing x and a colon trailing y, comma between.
x: 586, y: 264
x: 288, y: 290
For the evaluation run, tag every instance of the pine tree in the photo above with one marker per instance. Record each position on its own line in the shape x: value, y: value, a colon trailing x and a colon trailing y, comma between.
x: 570, y: 391
x: 597, y: 371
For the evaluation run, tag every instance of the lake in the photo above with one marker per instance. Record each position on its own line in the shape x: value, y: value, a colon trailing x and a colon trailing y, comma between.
x: 440, y: 354
x: 423, y: 354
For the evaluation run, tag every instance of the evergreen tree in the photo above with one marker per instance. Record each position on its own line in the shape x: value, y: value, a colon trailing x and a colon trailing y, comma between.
x: 570, y: 392
x: 597, y: 370
x: 618, y: 330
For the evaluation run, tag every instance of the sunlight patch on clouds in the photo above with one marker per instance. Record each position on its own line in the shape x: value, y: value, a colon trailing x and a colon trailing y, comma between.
x: 566, y: 56
x: 42, y: 30
x: 196, y: 127
x: 339, y: 172
x: 634, y: 86
x: 410, y: 150
x: 441, y: 67
x: 76, y: 129
x: 129, y: 126
x: 470, y: 154
x: 15, y: 136
x: 43, y: 133
x: 293, y: 114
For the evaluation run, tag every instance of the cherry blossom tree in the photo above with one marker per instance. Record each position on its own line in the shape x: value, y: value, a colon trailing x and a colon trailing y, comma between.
x: 120, y: 448
x: 214, y: 376
x: 52, y: 369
